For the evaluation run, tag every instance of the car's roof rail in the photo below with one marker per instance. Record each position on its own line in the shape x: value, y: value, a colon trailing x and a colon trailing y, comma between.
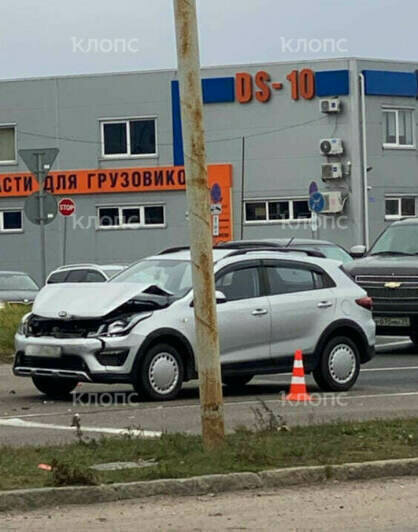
x: 173, y: 250
x: 243, y: 251
x: 81, y: 265
x: 239, y: 249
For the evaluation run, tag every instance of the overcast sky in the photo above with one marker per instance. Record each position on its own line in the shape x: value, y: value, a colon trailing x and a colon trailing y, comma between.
x: 48, y: 37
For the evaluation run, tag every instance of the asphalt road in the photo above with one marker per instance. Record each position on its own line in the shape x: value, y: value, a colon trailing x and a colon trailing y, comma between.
x: 387, y: 387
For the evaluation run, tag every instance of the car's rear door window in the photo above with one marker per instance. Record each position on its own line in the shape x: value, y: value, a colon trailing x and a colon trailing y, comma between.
x: 285, y: 280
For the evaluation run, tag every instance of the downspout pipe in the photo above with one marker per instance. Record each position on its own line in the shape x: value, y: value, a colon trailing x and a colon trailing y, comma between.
x: 364, y: 162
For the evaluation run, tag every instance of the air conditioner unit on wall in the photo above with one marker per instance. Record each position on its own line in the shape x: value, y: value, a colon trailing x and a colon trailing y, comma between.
x: 332, y: 171
x: 330, y: 105
x: 334, y: 202
x: 331, y: 146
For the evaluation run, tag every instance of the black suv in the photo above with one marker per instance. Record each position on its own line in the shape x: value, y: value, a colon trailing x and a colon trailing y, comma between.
x: 389, y: 274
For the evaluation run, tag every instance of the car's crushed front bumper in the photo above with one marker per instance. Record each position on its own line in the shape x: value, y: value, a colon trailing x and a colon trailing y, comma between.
x: 104, y: 359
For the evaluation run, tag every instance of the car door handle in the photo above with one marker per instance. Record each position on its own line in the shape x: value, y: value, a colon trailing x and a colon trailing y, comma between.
x: 259, y: 312
x: 324, y: 304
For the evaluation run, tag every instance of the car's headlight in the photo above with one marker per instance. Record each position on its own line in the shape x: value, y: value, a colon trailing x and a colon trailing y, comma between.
x: 121, y: 327
x: 24, y: 324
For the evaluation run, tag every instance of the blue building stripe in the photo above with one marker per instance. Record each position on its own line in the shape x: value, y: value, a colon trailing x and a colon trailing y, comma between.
x: 388, y: 83
x: 214, y: 90
x: 332, y: 83
x: 178, y: 152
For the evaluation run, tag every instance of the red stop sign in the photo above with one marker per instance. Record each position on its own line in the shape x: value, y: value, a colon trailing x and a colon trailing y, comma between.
x: 66, y: 207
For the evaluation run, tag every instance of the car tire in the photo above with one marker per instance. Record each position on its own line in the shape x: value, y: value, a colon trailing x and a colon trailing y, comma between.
x: 54, y: 388
x: 339, y: 365
x: 236, y: 381
x: 161, y: 373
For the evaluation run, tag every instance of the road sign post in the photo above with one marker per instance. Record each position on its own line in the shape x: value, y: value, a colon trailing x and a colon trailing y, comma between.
x: 198, y: 201
x: 39, y: 162
x: 316, y: 205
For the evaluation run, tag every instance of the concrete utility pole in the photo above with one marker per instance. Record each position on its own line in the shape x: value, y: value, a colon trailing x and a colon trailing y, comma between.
x: 198, y: 204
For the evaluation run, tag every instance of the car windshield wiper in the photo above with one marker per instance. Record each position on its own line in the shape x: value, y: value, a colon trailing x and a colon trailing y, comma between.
x: 393, y: 253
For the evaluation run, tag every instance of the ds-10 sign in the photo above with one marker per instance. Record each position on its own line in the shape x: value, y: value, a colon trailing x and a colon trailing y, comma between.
x: 302, y: 85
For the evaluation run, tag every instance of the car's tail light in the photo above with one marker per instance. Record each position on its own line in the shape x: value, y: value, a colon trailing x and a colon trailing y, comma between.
x: 365, y: 302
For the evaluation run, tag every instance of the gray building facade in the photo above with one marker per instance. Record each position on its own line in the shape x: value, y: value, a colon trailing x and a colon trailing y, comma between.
x: 121, y: 155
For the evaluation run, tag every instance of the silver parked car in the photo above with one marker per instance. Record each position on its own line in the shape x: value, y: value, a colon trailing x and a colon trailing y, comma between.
x: 139, y: 327
x: 84, y: 273
x: 17, y: 287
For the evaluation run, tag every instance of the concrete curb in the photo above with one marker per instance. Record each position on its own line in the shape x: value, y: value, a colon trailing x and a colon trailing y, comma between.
x: 32, y: 499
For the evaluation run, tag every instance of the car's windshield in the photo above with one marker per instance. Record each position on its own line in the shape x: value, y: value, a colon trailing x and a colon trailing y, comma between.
x: 331, y: 252
x: 14, y: 281
x: 173, y: 276
x: 397, y: 239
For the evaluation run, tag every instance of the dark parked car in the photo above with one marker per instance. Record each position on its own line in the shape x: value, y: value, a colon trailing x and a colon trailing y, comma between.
x: 17, y: 287
x: 389, y: 274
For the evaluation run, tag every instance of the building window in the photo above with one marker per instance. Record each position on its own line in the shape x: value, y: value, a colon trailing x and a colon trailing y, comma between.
x: 129, y: 138
x: 11, y: 221
x: 399, y: 128
x: 278, y: 210
x: 7, y: 144
x: 131, y: 216
x: 399, y: 207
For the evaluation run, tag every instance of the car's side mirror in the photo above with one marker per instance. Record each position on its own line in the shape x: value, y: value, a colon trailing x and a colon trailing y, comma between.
x: 358, y: 251
x: 220, y: 297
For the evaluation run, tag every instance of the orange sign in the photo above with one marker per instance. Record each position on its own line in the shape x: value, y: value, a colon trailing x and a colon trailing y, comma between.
x: 102, y: 181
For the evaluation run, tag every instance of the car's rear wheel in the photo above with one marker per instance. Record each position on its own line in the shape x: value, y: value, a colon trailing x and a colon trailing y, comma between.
x: 160, y: 374
x: 339, y: 365
x: 54, y: 388
x: 236, y: 381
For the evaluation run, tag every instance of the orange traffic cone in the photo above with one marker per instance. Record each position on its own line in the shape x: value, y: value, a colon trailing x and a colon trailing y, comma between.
x: 298, y: 385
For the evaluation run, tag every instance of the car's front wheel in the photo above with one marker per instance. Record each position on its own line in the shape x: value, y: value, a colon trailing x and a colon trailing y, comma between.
x: 160, y: 375
x: 54, y: 388
x: 339, y: 365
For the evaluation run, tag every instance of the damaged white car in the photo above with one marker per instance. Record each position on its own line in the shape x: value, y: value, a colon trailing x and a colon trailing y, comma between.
x: 138, y: 328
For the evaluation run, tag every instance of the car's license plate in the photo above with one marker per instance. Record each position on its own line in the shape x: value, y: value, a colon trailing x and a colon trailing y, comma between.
x: 48, y: 351
x: 393, y: 322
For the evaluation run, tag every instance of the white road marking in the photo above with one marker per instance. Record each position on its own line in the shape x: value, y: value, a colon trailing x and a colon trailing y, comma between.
x: 20, y: 423
x: 395, y: 344
x: 389, y: 369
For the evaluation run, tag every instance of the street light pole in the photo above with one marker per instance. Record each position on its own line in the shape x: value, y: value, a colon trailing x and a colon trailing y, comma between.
x: 198, y: 206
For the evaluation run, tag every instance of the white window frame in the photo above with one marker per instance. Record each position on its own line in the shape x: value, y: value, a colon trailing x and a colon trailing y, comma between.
x: 141, y: 225
x: 14, y: 161
x: 127, y: 121
x: 275, y: 200
x: 8, y: 231
x: 399, y: 198
x: 396, y: 145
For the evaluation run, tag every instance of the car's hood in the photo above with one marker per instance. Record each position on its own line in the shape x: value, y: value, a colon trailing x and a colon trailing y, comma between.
x: 21, y: 296
x: 84, y: 300
x: 384, y: 265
